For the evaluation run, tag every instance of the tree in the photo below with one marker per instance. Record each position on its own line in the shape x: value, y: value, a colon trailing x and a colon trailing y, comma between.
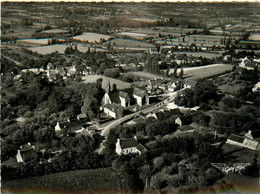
x: 181, y: 73
x: 175, y: 71
x: 254, y: 169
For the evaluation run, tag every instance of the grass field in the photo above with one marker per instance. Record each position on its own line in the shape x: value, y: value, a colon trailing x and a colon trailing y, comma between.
x: 254, y: 37
x: 59, y: 48
x: 120, y: 84
x: 201, y: 54
x: 58, y: 31
x: 129, y: 43
x: 202, y: 72
x: 132, y: 34
x: 42, y: 41
x: 91, y: 37
x: 144, y: 75
x: 103, y: 180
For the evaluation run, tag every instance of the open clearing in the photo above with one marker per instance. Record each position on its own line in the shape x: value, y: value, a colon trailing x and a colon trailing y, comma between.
x: 203, y: 72
x: 59, y: 48
x: 120, y: 84
x: 91, y: 37
x: 129, y: 43
x: 80, y: 181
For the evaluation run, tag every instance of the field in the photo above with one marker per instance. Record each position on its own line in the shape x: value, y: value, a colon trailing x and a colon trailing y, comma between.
x: 201, y: 54
x: 254, y: 37
x: 91, y: 37
x: 120, y: 84
x: 59, y: 48
x: 207, y: 71
x: 132, y: 34
x: 57, y: 31
x: 129, y: 43
x: 42, y: 41
x: 144, y: 75
x: 80, y: 181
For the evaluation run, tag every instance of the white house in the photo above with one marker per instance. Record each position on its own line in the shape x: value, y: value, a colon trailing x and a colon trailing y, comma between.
x: 26, y: 153
x: 141, y: 96
x: 178, y: 121
x: 243, y: 142
x: 129, y: 146
x: 113, y: 110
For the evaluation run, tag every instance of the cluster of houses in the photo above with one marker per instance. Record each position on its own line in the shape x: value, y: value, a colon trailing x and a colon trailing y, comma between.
x: 249, y: 63
x: 250, y: 140
x: 52, y: 72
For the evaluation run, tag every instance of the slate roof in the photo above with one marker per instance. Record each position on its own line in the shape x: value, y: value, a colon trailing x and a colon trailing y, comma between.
x: 28, y: 154
x: 128, y: 143
x: 168, y: 113
x: 139, y: 92
x: 236, y: 138
x: 156, y: 82
x: 112, y: 107
x: 114, y: 97
x: 191, y: 82
x: 25, y: 147
x: 124, y: 94
x: 73, y: 124
x: 141, y: 148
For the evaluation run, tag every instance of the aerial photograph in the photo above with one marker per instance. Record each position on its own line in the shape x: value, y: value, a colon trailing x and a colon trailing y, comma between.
x: 130, y: 97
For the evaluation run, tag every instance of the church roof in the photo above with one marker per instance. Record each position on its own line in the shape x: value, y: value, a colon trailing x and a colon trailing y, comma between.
x: 139, y: 92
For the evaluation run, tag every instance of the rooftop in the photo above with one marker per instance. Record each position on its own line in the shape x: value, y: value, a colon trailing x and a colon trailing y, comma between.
x: 236, y: 138
x: 128, y: 143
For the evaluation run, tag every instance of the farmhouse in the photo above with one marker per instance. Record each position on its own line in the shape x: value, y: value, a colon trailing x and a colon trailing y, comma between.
x: 129, y: 146
x: 26, y: 153
x: 190, y: 83
x: 240, y: 141
x: 76, y: 125
x: 114, y: 110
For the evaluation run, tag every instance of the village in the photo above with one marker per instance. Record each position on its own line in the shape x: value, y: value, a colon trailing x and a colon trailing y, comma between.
x: 153, y: 102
